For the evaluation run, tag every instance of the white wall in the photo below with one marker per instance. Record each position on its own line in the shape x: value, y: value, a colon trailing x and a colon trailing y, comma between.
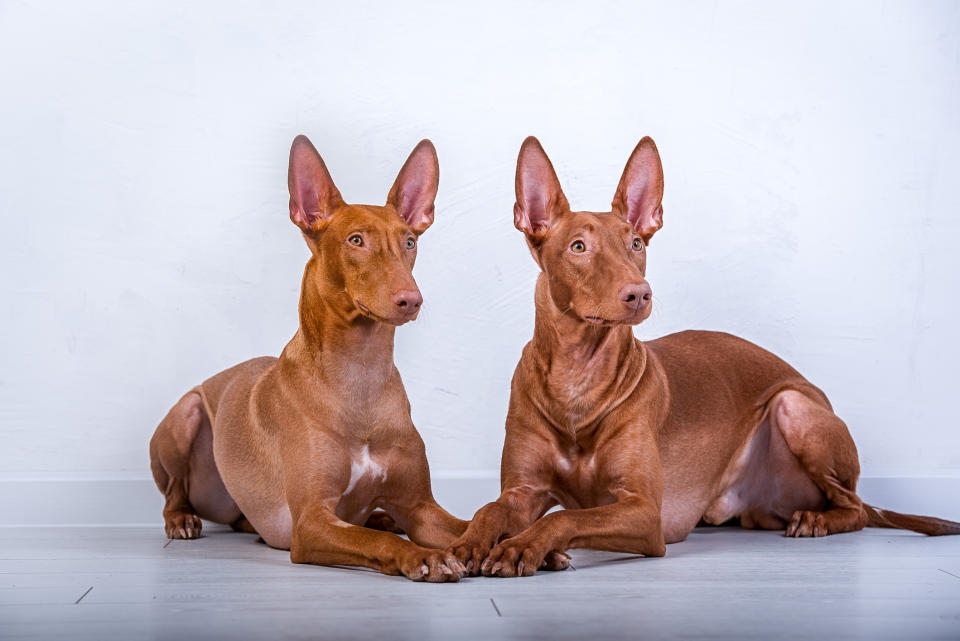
x: 811, y: 159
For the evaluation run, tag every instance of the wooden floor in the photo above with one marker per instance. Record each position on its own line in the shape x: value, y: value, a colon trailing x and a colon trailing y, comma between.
x: 131, y: 583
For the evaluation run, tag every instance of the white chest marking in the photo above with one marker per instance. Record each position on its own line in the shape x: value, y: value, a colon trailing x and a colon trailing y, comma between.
x: 362, y: 466
x: 567, y: 465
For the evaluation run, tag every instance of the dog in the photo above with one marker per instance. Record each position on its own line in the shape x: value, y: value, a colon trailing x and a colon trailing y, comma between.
x: 302, y: 449
x: 642, y: 441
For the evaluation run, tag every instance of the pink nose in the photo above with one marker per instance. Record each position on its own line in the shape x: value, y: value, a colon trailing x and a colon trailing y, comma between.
x: 636, y: 295
x: 408, y: 301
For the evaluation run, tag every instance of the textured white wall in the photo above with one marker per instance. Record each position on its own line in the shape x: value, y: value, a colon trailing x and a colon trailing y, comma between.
x: 811, y: 159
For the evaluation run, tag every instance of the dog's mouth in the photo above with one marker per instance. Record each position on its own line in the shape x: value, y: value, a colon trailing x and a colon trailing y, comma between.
x: 366, y: 311
x: 634, y: 318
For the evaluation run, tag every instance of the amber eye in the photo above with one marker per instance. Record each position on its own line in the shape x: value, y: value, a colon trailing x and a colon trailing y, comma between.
x: 411, y: 243
x: 356, y: 240
x: 577, y: 247
x: 637, y: 244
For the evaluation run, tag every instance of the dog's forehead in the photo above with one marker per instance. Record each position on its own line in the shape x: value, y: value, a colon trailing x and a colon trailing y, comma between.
x: 595, y: 221
x: 382, y: 218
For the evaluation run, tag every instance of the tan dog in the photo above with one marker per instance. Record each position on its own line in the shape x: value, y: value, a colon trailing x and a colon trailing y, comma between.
x: 303, y: 448
x: 642, y: 441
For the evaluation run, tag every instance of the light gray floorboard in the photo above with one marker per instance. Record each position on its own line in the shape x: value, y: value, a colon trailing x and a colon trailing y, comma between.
x: 720, y: 583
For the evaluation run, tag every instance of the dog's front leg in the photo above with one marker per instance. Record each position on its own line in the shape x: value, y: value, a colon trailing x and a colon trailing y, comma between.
x: 409, y: 500
x: 319, y: 537
x: 516, y: 509
x: 631, y: 524
x: 431, y: 526
x: 526, y: 474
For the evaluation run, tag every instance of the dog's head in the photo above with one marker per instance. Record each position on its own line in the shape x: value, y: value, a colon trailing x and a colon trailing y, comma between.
x: 364, y: 253
x: 594, y: 263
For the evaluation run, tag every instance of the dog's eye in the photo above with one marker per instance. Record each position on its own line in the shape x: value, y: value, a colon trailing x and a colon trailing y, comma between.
x: 637, y: 244
x: 577, y: 247
x: 356, y: 240
x: 411, y: 243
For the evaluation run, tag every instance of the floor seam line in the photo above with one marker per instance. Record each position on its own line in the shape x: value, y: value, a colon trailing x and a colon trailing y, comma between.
x: 83, y: 595
x: 950, y: 573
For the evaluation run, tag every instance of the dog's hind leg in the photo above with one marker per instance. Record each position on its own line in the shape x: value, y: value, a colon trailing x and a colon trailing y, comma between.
x: 170, y: 450
x: 243, y: 525
x: 826, y: 452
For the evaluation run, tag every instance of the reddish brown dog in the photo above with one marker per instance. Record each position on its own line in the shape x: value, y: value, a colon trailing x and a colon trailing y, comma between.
x: 303, y: 448
x: 642, y: 441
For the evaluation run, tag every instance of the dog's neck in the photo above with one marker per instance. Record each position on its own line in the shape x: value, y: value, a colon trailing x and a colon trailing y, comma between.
x: 337, y: 345
x: 588, y: 369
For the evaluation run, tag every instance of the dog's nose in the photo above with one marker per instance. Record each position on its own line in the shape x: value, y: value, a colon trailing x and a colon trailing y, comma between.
x: 408, y: 300
x: 636, y: 295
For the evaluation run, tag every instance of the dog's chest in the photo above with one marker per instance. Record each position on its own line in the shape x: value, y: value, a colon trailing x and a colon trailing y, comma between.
x: 368, y: 474
x: 578, y: 484
x: 364, y: 467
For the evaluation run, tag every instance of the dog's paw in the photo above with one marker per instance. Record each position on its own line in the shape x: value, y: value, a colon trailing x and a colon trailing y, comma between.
x: 183, y: 526
x: 807, y: 523
x: 515, y: 557
x: 433, y: 566
x: 470, y: 553
x: 556, y: 562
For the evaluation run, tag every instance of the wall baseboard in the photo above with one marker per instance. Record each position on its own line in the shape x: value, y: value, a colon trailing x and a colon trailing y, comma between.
x: 136, y: 502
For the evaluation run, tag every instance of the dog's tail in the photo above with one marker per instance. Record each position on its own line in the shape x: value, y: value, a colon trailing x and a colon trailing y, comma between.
x: 928, y: 525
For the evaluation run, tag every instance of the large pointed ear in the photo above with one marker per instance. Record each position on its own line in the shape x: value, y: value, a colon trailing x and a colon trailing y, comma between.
x: 415, y: 189
x: 313, y: 196
x: 540, y: 201
x: 640, y: 193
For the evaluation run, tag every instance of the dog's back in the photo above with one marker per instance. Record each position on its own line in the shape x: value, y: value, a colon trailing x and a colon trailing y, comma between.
x: 213, y: 389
